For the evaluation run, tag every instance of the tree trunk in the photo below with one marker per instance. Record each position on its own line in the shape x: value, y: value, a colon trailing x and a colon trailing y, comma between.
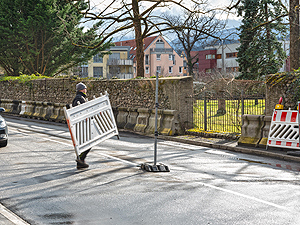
x: 294, y: 35
x: 139, y: 40
x: 190, y: 64
x: 268, y: 33
x: 221, y: 103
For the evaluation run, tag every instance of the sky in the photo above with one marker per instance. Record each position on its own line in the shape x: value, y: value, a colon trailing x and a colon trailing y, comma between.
x: 233, y: 20
x: 221, y: 4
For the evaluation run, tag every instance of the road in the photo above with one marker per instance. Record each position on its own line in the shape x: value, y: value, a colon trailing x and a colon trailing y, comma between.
x: 41, y: 185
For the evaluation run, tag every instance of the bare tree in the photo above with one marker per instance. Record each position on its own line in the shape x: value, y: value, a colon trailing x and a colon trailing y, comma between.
x: 144, y: 17
x: 204, y: 26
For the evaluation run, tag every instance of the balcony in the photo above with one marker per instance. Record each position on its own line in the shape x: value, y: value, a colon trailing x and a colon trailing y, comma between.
x: 161, y: 50
x: 120, y: 62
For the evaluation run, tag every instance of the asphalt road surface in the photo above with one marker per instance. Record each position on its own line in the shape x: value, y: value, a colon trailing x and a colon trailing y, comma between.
x: 41, y: 185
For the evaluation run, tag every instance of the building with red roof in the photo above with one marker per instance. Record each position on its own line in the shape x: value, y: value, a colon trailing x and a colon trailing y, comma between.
x: 159, y: 57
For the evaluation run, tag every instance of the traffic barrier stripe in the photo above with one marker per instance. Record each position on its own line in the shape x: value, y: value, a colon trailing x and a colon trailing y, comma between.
x: 294, y: 116
x: 285, y: 115
x: 283, y: 144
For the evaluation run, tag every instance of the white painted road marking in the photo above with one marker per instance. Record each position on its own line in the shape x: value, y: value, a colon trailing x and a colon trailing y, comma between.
x: 248, y: 197
x: 11, y: 216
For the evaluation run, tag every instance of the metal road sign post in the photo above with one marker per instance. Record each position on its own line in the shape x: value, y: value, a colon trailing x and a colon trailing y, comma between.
x: 91, y: 123
x: 156, y: 111
x: 161, y: 167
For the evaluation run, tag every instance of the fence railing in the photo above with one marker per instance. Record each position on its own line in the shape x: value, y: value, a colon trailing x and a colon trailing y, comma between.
x: 223, y: 112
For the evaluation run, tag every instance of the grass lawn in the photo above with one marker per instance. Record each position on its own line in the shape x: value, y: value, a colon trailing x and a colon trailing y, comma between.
x: 231, y: 121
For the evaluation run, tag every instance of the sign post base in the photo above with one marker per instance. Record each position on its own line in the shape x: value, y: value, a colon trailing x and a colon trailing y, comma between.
x: 155, y: 168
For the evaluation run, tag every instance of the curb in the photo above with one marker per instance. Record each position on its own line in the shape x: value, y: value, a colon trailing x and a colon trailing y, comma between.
x: 235, y: 149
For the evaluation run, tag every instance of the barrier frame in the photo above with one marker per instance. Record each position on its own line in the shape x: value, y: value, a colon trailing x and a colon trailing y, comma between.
x: 284, y: 129
x: 91, y: 123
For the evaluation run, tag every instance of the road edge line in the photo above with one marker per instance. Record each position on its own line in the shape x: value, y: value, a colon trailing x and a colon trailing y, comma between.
x: 14, y: 218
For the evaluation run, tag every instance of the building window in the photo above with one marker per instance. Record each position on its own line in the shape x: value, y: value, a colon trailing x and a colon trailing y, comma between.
x: 158, y: 56
x: 146, y: 59
x: 219, y: 56
x: 180, y: 69
x: 231, y: 55
x: 84, y: 71
x: 147, y: 70
x: 114, y: 56
x: 170, y: 57
x: 207, y: 70
x: 97, y: 71
x: 210, y: 56
x: 170, y: 69
x: 159, y: 43
x: 158, y: 69
x: 98, y: 59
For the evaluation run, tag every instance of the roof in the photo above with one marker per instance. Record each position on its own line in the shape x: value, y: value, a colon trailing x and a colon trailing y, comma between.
x: 132, y: 44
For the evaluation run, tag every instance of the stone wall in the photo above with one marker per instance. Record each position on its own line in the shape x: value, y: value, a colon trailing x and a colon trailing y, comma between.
x: 286, y: 88
x: 174, y: 93
x: 273, y: 93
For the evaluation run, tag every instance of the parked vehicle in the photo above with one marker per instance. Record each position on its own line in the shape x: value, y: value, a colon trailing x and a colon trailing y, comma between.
x: 3, y: 130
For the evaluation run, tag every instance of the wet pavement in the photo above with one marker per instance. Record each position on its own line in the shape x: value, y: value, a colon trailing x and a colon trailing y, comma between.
x: 8, y: 217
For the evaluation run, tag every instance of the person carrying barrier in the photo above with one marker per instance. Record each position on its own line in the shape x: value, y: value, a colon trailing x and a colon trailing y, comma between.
x: 89, y: 122
x: 80, y: 98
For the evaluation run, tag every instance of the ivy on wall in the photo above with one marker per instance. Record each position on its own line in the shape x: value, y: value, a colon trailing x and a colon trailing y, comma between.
x: 23, y: 78
x: 288, y: 85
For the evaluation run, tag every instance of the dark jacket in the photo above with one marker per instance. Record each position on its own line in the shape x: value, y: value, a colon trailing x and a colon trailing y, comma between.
x: 80, y: 97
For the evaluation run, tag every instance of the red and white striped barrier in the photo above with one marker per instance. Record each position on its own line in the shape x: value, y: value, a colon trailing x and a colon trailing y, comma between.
x: 284, y: 129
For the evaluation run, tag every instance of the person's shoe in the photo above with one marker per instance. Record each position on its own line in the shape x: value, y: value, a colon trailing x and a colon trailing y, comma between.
x: 81, y: 164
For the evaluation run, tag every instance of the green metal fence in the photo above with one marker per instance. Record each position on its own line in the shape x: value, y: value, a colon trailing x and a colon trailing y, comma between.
x: 223, y: 112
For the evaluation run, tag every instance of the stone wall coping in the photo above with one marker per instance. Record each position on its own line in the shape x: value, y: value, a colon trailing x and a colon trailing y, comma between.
x: 144, y: 110
x: 169, y: 112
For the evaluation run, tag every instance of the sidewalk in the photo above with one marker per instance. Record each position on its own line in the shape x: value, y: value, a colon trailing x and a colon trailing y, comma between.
x: 230, y: 145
